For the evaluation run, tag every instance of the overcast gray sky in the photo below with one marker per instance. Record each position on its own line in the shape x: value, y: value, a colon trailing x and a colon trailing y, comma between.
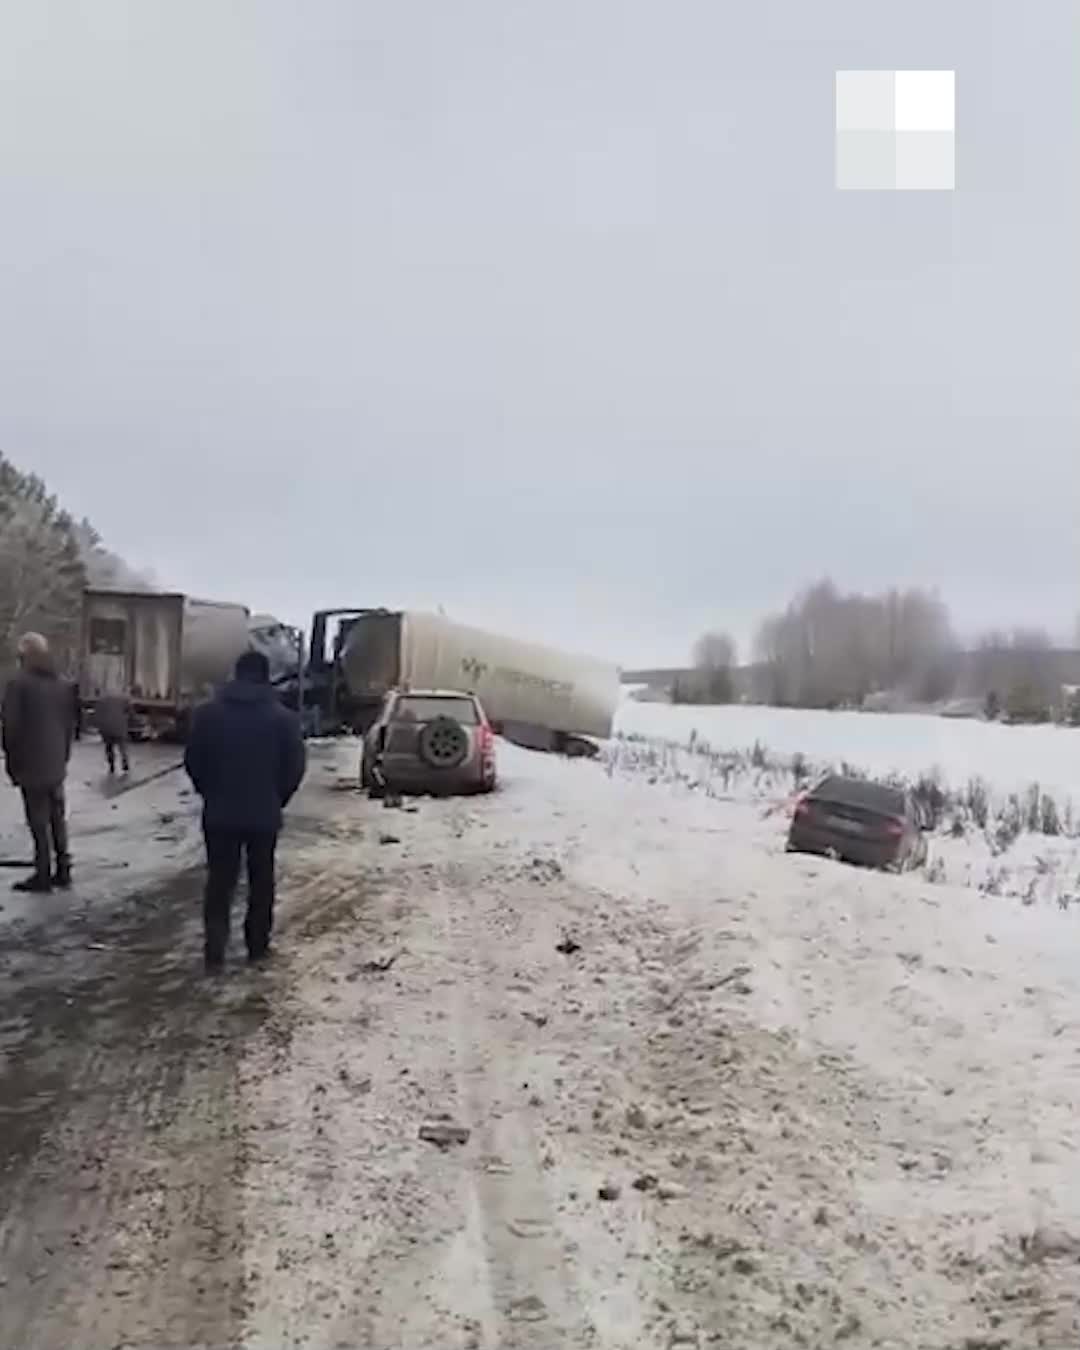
x: 546, y: 312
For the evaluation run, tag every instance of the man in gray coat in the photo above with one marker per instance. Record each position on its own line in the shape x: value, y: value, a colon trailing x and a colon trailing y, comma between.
x: 38, y: 728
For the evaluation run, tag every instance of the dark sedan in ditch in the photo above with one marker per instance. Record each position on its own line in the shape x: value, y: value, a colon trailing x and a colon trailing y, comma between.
x: 860, y: 821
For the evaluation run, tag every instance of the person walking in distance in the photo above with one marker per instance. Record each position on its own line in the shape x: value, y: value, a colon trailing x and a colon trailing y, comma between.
x: 246, y: 759
x: 113, y: 715
x: 77, y: 708
x: 38, y: 727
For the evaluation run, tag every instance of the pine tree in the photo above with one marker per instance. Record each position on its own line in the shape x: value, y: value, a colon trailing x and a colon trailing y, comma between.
x: 41, y: 572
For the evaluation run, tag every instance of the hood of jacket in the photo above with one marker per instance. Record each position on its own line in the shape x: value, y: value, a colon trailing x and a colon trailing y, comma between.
x: 246, y: 691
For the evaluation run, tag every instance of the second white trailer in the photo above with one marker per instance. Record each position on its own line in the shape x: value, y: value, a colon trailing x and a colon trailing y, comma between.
x: 534, y: 693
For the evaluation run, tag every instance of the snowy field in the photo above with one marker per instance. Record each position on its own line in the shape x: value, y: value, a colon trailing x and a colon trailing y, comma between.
x: 1008, y: 759
x: 1007, y: 817
x: 709, y: 1094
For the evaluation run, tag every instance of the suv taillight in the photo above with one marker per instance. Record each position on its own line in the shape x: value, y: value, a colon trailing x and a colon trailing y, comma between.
x: 487, y: 738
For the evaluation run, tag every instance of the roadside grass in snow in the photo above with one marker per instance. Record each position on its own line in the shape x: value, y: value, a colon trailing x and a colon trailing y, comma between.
x: 1021, y: 844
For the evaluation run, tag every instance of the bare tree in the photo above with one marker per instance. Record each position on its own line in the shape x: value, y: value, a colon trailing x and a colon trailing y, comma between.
x: 828, y: 649
x: 715, y: 651
x: 713, y: 677
x: 773, y: 679
x: 1018, y: 671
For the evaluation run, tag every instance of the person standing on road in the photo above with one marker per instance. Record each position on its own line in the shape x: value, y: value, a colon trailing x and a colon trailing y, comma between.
x: 77, y: 708
x: 113, y: 715
x: 38, y: 729
x: 246, y: 759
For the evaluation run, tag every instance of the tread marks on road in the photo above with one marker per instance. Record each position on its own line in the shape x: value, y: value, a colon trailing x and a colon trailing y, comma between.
x: 117, y: 1188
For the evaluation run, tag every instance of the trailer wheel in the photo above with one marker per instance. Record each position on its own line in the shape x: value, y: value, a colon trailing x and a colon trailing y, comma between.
x: 443, y: 744
x: 577, y: 747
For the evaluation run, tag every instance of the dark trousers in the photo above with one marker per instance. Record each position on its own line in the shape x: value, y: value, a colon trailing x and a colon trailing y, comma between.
x: 223, y: 855
x: 45, y: 814
x: 112, y: 744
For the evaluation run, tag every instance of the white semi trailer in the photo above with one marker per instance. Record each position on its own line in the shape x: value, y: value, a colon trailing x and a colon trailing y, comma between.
x: 165, y: 651
x: 533, y: 694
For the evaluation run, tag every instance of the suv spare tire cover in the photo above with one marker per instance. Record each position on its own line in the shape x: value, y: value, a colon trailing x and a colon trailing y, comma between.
x: 443, y: 744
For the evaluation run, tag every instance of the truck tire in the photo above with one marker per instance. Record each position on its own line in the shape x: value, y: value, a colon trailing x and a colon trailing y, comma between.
x: 443, y: 744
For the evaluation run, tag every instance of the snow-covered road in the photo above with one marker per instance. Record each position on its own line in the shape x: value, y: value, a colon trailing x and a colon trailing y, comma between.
x: 715, y: 1095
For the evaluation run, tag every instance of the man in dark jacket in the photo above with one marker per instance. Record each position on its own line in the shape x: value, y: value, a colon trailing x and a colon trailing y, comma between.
x: 38, y: 727
x: 246, y: 758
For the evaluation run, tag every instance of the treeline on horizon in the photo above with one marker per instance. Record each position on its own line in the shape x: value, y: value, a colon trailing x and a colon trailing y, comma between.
x: 833, y: 649
x: 827, y: 649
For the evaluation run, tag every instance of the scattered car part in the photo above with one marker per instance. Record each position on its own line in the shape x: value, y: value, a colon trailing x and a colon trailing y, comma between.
x: 443, y: 1131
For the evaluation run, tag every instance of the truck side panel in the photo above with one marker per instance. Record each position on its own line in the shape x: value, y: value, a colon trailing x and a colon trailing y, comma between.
x: 155, y: 652
x: 131, y: 644
x: 517, y: 682
x: 107, y: 642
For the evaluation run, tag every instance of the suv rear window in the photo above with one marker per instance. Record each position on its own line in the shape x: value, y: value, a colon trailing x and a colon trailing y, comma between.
x: 417, y: 708
x: 859, y: 792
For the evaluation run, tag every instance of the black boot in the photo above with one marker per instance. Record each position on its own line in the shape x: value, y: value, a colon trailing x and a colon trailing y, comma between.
x: 62, y: 876
x: 35, y: 885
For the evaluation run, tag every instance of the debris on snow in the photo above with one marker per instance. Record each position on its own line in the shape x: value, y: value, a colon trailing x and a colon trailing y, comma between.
x: 683, y: 1334
x: 360, y: 1086
x: 496, y: 1166
x: 672, y: 1190
x: 443, y: 1131
x: 544, y: 870
x: 379, y: 965
x: 531, y: 1308
x: 528, y: 1228
x: 739, y: 974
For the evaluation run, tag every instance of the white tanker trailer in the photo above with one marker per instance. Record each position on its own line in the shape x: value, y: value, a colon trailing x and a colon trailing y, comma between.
x: 165, y: 651
x: 535, y: 695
